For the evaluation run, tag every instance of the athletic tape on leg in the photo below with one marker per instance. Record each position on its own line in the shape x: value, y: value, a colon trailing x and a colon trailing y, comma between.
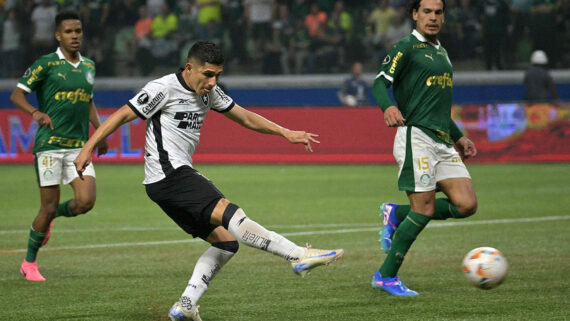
x: 228, y: 214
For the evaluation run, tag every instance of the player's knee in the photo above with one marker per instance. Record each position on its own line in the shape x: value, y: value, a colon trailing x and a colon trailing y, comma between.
x: 230, y: 246
x: 49, y: 210
x: 468, y: 208
x: 84, y: 205
x: 229, y: 212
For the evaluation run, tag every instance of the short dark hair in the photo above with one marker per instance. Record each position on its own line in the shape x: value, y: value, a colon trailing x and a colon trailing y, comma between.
x: 414, y: 5
x: 65, y: 15
x: 206, y: 52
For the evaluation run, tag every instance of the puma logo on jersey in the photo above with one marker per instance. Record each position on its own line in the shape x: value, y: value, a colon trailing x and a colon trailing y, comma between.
x: 62, y: 75
x: 429, y: 56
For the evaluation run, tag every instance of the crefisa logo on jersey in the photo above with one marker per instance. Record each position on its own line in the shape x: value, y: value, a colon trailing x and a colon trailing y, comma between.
x: 205, y: 99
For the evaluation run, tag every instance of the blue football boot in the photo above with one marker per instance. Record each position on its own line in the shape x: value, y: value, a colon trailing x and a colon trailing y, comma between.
x: 394, y: 285
x: 389, y: 225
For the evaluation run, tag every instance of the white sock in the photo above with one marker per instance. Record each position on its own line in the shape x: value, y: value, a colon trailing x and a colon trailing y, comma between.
x: 255, y: 235
x: 206, y: 268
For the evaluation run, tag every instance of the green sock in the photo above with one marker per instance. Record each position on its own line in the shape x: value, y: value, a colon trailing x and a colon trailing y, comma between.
x: 34, y: 244
x: 403, y: 238
x: 444, y: 210
x: 64, y: 209
x: 402, y: 211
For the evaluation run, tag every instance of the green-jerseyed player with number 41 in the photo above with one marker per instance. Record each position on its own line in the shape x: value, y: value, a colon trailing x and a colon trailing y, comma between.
x: 420, y: 72
x: 63, y: 82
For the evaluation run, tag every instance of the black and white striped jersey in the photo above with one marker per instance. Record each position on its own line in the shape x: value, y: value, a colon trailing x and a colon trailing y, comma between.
x: 174, y: 114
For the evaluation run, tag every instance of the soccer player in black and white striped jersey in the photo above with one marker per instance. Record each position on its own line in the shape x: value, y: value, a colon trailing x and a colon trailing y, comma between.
x: 174, y: 108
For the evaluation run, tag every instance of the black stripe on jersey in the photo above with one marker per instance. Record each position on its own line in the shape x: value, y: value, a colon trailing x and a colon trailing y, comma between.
x: 182, y: 82
x: 227, y: 109
x: 135, y: 110
x: 162, y: 153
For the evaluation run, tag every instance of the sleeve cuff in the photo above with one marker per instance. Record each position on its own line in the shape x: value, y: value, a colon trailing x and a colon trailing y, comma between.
x: 455, y: 132
x: 136, y: 110
x: 227, y: 109
x: 24, y: 88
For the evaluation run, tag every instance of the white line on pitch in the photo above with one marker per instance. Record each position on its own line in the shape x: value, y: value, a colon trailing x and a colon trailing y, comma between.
x: 174, y: 227
x: 433, y: 225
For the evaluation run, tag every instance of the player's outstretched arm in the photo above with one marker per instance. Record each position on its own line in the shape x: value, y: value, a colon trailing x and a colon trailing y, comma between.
x: 256, y: 122
x: 121, y: 116
x: 102, y: 147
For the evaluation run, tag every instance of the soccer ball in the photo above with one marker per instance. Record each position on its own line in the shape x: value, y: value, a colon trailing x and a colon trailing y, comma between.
x: 485, y: 267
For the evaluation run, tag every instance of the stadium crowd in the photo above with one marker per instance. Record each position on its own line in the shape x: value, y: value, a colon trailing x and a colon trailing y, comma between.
x: 133, y: 37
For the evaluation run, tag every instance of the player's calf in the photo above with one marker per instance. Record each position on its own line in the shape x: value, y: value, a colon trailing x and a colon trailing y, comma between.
x: 251, y: 233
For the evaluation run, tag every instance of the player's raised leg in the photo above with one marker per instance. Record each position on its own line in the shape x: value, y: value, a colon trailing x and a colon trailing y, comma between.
x: 462, y: 201
x: 303, y: 259
x: 390, y: 222
x: 84, y: 195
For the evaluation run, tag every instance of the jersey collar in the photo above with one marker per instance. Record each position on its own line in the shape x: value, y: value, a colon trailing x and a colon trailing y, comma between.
x: 182, y: 82
x: 423, y: 39
x: 61, y: 56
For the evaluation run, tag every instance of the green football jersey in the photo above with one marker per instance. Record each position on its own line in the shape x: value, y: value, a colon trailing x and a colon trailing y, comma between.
x: 64, y: 92
x: 422, y: 79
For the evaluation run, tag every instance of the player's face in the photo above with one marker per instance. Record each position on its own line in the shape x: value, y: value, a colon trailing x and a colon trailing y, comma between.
x: 70, y: 35
x: 429, y: 18
x: 203, y: 78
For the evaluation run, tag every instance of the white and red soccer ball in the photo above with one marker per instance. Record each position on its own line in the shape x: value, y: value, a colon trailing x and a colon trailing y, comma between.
x: 485, y: 267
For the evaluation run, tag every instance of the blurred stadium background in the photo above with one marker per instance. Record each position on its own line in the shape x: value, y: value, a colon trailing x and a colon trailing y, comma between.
x: 284, y: 57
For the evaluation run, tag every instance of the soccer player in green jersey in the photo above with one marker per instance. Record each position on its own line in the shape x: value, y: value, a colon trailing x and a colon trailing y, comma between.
x: 419, y: 70
x: 63, y: 82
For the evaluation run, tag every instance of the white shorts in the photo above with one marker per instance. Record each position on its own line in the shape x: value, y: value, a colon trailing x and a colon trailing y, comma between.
x: 55, y: 166
x: 423, y: 161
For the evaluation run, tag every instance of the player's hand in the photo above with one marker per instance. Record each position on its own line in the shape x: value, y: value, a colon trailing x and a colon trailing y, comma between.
x: 42, y: 119
x: 302, y: 137
x: 102, y: 147
x: 393, y: 117
x: 466, y: 147
x: 82, y: 161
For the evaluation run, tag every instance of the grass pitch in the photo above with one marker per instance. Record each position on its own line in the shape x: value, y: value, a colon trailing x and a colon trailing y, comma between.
x: 126, y: 260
